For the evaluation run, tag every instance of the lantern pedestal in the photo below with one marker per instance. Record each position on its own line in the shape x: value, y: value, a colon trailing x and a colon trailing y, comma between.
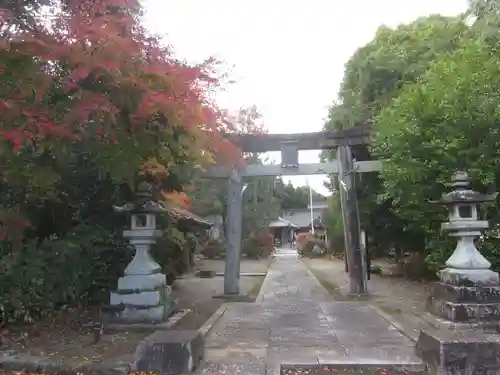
x: 143, y: 295
x: 469, y: 291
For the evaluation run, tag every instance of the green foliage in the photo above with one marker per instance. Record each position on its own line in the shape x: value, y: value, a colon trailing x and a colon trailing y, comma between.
x: 169, y: 249
x: 213, y: 249
x: 79, y: 269
x: 448, y: 120
x: 260, y: 207
x: 334, y: 225
x: 432, y: 92
x: 207, y: 196
x: 375, y: 75
x: 393, y: 58
x: 291, y: 197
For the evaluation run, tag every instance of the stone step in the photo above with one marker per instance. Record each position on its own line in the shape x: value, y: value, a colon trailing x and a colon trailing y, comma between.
x: 449, y: 351
x: 169, y: 352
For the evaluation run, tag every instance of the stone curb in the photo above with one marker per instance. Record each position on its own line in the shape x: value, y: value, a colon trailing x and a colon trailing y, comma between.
x: 208, y: 325
x: 260, y: 297
x: 391, y: 320
x: 247, y: 274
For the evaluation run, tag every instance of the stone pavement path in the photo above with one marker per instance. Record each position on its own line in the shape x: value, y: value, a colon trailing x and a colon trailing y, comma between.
x: 294, y: 322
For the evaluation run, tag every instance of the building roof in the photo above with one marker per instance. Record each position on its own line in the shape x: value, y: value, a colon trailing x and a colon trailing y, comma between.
x: 282, y: 223
x: 184, y: 215
x: 302, y: 218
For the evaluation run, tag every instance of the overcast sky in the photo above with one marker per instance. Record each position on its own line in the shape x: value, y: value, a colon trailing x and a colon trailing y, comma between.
x: 286, y: 56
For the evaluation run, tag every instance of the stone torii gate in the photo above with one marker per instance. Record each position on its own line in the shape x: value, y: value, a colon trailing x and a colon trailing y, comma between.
x: 290, y: 145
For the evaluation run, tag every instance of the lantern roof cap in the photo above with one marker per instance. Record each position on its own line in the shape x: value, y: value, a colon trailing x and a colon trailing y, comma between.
x: 146, y: 207
x: 143, y: 201
x: 463, y: 193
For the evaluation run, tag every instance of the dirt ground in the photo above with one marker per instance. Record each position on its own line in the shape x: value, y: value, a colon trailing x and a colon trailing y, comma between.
x: 403, y: 299
x: 66, y: 338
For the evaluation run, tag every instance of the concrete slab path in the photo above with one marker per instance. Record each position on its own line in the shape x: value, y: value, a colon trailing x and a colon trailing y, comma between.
x: 295, y: 324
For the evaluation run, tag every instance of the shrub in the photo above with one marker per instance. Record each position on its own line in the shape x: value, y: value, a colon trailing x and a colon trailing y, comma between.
x: 415, y: 267
x: 259, y: 244
x: 169, y: 252
x: 213, y: 249
x: 306, y: 243
x: 302, y: 239
x: 77, y: 270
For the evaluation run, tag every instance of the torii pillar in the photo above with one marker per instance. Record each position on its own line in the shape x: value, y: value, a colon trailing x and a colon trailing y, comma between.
x: 233, y: 235
x: 354, y: 252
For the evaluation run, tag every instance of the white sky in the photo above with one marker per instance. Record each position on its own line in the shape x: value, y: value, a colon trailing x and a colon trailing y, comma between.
x: 286, y: 56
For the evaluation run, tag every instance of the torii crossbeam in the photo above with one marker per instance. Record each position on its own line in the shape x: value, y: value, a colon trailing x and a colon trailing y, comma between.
x: 289, y: 145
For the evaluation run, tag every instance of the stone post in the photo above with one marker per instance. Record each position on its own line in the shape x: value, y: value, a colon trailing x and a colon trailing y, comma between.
x: 234, y: 222
x: 143, y: 295
x: 468, y: 291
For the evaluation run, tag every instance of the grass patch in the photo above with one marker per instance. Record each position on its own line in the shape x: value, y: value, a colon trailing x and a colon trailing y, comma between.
x: 332, y: 288
x: 391, y: 310
x: 254, y: 292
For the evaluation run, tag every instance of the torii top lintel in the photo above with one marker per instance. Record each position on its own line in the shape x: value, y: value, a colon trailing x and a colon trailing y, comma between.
x: 325, y: 140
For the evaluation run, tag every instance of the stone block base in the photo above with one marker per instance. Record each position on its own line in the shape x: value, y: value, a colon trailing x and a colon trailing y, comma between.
x: 460, y: 277
x: 142, y: 282
x: 465, y: 303
x: 149, y: 298
x: 170, y: 352
x: 135, y: 315
x: 448, y: 352
x: 147, y: 306
x: 470, y: 294
x: 464, y: 312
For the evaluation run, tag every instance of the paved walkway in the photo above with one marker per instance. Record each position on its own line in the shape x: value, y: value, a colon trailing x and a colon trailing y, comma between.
x: 295, y: 322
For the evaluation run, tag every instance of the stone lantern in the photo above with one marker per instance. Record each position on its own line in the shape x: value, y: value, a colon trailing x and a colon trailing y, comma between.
x: 469, y: 291
x: 143, y: 294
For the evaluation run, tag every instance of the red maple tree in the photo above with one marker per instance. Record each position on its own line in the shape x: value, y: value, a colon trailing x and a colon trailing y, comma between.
x: 88, y: 71
x: 114, y: 76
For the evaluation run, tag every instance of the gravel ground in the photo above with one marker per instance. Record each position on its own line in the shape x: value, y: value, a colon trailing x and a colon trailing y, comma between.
x: 196, y: 293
